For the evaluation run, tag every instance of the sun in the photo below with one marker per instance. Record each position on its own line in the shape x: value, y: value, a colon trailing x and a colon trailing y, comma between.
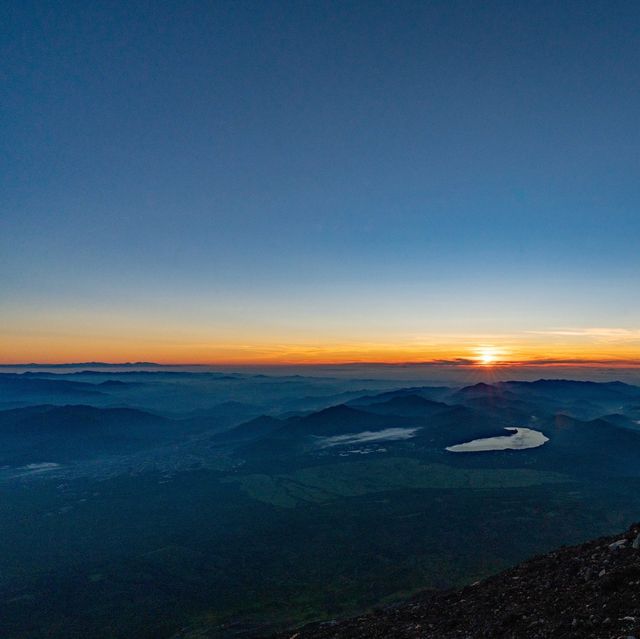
x: 487, y: 355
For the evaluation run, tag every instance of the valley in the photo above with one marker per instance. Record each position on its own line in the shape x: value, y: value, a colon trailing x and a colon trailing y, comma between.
x: 267, y: 510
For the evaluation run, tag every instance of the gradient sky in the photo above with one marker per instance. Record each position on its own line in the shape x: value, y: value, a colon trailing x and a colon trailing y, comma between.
x: 320, y: 181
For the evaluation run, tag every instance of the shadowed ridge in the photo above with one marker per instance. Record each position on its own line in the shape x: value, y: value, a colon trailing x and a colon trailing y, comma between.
x: 54, y: 417
x: 410, y: 405
x: 575, y: 389
x: 435, y: 393
x: 411, y: 400
x: 481, y: 391
x: 254, y: 428
x: 335, y: 420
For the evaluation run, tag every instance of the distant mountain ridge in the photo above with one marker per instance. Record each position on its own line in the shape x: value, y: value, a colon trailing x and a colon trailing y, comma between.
x: 93, y: 364
x: 577, y: 431
x: 232, y: 505
x: 69, y: 433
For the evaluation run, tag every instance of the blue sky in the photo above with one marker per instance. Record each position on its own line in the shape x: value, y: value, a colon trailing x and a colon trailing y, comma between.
x: 240, y: 171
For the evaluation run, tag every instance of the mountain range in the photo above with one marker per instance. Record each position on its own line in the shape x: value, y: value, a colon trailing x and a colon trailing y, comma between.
x: 178, y: 504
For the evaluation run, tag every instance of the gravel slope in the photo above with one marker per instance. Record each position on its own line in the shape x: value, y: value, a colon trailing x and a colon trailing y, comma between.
x: 590, y: 591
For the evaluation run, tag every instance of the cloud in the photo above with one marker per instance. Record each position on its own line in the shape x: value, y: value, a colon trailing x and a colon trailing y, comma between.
x: 576, y: 361
x: 623, y: 334
x: 619, y: 362
x: 387, y: 434
x: 458, y: 361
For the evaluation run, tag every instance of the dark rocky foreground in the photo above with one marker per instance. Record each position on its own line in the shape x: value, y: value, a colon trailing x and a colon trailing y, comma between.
x: 592, y: 590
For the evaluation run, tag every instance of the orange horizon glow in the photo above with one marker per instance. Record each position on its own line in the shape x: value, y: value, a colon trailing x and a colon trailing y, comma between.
x: 114, y: 339
x: 447, y: 352
x: 587, y: 363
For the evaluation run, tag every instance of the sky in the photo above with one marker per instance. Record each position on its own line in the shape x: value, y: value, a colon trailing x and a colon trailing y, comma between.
x: 318, y: 181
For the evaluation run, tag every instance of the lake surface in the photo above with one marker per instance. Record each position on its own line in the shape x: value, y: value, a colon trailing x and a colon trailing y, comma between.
x: 521, y: 439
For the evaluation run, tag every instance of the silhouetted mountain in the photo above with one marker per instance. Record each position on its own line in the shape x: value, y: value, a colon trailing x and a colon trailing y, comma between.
x: 80, y: 364
x: 254, y: 428
x: 67, y: 433
x: 297, y: 435
x: 337, y: 420
x: 591, y: 447
x: 227, y: 414
x: 427, y: 392
x: 522, y: 400
x: 622, y: 421
x: 116, y: 384
x: 409, y: 405
x: 483, y: 391
x: 35, y: 390
x: 562, y: 388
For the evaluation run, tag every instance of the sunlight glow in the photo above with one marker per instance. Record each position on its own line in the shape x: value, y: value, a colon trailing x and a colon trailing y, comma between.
x: 487, y: 355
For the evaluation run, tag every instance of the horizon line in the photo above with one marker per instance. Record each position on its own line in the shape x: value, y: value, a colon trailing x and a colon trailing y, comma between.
x: 453, y: 363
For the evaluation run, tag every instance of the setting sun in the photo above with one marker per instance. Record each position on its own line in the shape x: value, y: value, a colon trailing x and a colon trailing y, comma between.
x: 487, y: 356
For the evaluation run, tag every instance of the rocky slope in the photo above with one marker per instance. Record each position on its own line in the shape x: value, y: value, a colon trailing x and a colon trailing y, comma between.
x: 590, y: 591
